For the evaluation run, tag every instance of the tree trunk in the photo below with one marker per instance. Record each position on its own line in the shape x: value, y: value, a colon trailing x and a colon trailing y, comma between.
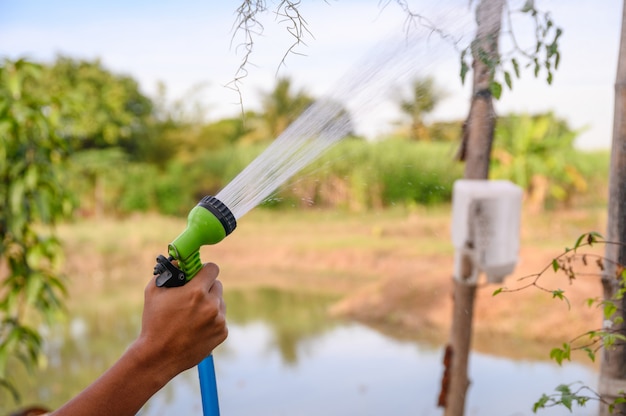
x: 478, y: 137
x: 613, y: 367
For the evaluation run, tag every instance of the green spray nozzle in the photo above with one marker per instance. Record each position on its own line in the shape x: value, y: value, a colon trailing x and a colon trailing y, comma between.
x: 208, y: 223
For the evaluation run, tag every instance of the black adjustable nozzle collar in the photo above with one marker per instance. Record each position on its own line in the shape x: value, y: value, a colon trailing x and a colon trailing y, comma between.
x: 221, y: 212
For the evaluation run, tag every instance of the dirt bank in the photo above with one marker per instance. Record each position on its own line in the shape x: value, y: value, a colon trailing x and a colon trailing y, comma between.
x: 391, y: 270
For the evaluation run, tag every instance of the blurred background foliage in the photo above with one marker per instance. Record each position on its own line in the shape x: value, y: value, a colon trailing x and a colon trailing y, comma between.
x: 79, y: 140
x: 133, y: 153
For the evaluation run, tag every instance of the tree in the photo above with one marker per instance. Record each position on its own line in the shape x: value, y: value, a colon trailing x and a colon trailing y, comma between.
x: 613, y: 366
x: 103, y: 114
x: 32, y: 199
x: 424, y: 98
x: 100, y: 109
x: 282, y: 106
x: 180, y: 129
x: 478, y: 139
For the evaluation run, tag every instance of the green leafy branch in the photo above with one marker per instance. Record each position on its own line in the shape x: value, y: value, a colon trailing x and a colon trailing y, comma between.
x: 33, y: 198
x: 575, y: 393
x: 566, y: 263
x: 591, y: 341
x: 543, y: 56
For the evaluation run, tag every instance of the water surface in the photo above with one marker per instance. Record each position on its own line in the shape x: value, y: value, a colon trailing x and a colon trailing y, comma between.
x: 284, y: 356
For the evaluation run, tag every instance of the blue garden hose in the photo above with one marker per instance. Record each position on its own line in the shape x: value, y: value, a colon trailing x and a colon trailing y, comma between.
x: 208, y: 387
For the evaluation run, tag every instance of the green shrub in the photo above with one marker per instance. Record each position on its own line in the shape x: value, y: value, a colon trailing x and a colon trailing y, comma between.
x: 361, y: 175
x: 354, y: 174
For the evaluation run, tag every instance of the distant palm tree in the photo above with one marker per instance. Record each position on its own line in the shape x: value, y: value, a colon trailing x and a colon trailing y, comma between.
x: 282, y: 106
x: 424, y: 98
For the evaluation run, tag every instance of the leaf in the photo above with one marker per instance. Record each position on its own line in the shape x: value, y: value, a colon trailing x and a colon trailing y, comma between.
x: 556, y: 354
x: 14, y: 81
x: 555, y: 265
x: 537, y: 67
x: 496, y: 89
x: 497, y: 291
x: 515, y: 67
x: 620, y: 400
x: 609, y: 309
x: 557, y: 60
x: 16, y: 193
x: 609, y: 338
x: 558, y: 293
x: 33, y: 288
x: 507, y: 80
x: 590, y: 354
x: 528, y: 6
x: 541, y: 403
x: 566, y: 400
x: 464, y: 67
x: 579, y: 241
x: 31, y: 176
x: 563, y: 389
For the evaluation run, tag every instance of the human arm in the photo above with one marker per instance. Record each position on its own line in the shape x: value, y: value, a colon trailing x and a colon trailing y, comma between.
x: 180, y: 327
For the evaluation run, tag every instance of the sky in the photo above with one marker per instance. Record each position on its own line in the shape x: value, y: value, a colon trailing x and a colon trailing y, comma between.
x: 192, y: 47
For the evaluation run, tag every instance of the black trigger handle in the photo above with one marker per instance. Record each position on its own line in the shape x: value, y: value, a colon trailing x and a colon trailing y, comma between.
x: 167, y: 274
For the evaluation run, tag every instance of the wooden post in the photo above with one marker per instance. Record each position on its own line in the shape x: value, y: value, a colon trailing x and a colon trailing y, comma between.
x: 476, y: 151
x: 613, y: 367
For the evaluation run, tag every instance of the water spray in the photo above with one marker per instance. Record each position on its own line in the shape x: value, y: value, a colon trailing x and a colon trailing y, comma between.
x: 323, y: 124
x: 211, y: 220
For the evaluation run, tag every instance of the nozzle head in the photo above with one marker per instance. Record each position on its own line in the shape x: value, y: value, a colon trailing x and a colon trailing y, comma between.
x: 209, y: 222
x: 221, y: 212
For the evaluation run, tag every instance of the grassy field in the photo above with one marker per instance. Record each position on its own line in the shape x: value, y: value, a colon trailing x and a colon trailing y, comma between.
x: 390, y: 269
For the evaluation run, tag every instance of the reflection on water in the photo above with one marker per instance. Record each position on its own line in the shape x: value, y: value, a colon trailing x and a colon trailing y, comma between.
x: 284, y: 356
x: 293, y: 317
x: 352, y: 370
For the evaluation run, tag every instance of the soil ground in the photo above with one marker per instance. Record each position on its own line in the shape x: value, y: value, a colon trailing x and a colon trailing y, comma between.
x: 391, y: 270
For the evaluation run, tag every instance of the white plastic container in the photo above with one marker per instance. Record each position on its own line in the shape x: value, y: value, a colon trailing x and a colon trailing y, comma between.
x: 485, y: 226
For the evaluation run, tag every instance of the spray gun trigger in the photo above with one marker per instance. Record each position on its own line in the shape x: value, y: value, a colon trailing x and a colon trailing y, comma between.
x: 167, y: 274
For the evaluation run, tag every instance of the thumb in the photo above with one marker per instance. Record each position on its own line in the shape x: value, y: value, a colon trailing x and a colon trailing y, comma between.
x: 206, y: 276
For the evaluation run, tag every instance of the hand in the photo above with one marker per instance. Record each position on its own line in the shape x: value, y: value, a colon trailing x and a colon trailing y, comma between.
x: 182, y: 325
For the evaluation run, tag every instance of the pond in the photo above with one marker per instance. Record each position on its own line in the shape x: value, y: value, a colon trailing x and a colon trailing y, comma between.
x: 285, y: 357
